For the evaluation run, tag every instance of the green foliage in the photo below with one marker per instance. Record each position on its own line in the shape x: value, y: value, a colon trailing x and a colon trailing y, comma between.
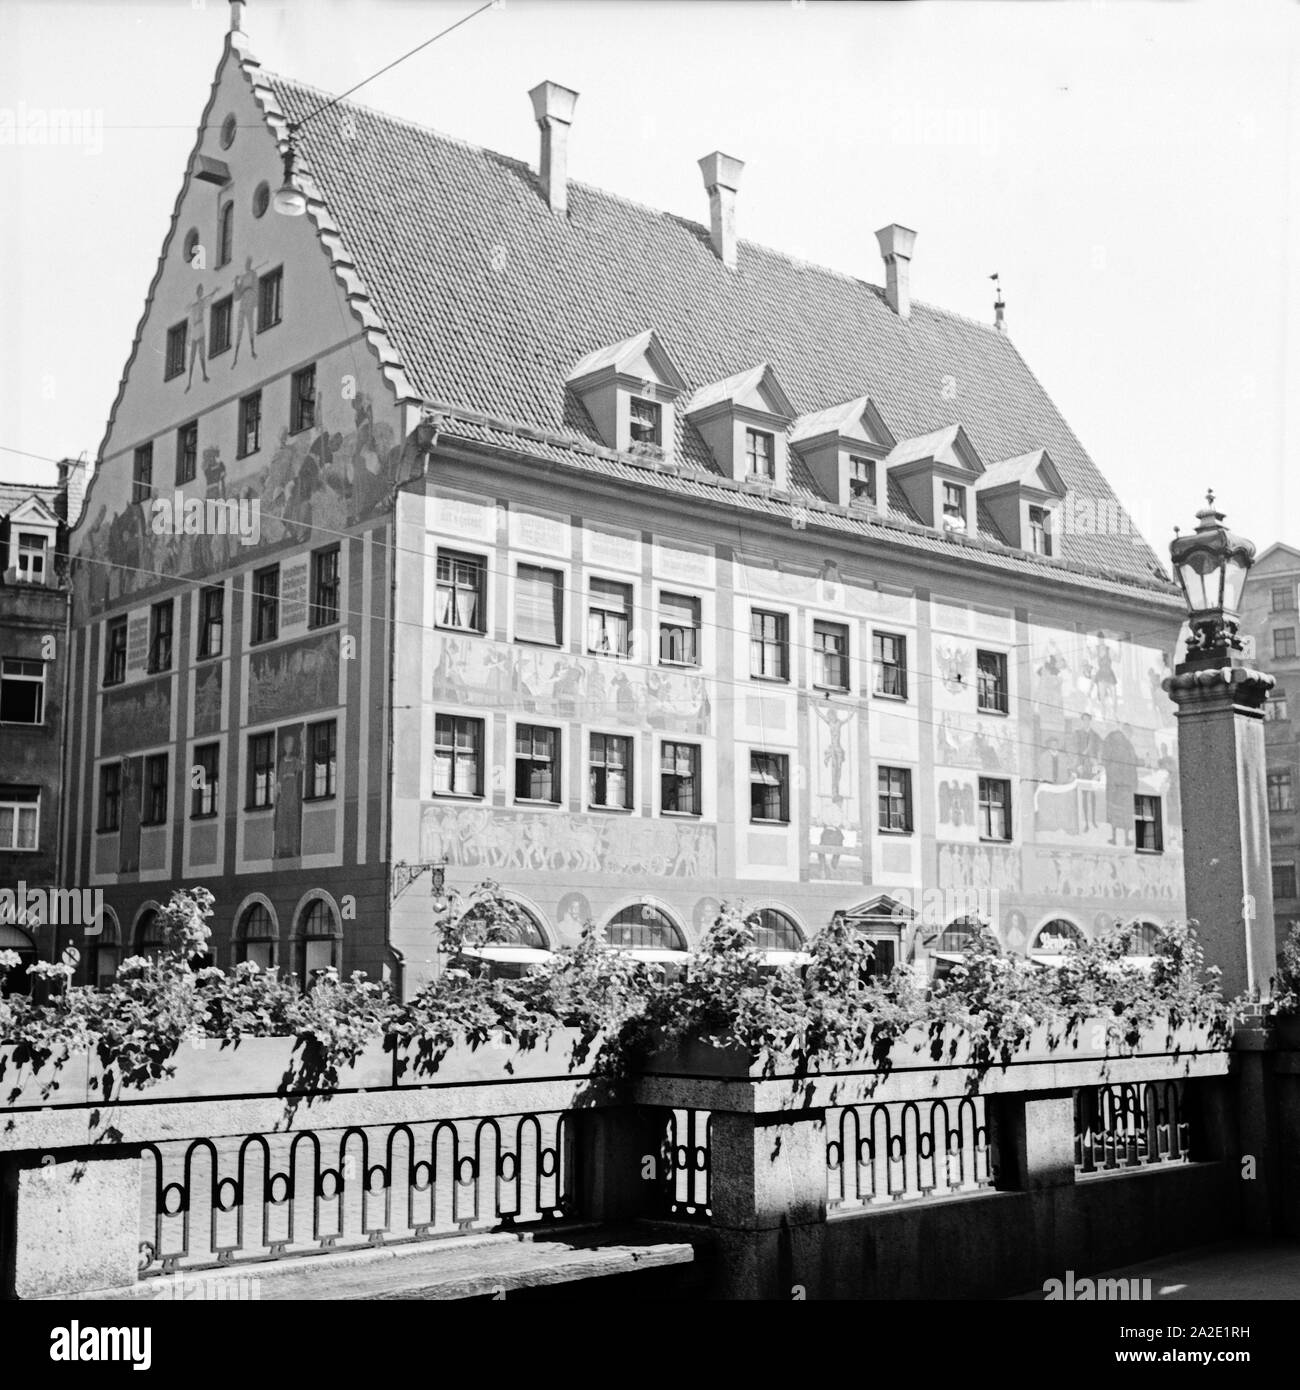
x: 1286, y: 996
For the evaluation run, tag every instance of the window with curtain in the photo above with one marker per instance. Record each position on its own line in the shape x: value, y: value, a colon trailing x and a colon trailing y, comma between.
x: 457, y: 756
x: 679, y: 779
x: 679, y: 630
x: 461, y: 592
x: 769, y: 780
x: 609, y: 618
x: 610, y: 774
x: 539, y: 605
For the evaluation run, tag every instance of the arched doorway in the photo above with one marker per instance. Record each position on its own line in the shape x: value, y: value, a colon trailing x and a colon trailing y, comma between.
x: 105, y: 951
x: 257, y: 936
x: 319, y: 939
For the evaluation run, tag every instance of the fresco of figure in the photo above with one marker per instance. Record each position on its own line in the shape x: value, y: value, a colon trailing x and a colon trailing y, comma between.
x: 288, y: 797
x: 1085, y: 744
x: 1102, y: 681
x: 246, y: 306
x: 198, y: 338
x: 1119, y: 758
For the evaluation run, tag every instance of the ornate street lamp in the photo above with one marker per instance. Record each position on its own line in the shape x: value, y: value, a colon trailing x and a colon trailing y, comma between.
x: 289, y: 200
x: 1211, y: 565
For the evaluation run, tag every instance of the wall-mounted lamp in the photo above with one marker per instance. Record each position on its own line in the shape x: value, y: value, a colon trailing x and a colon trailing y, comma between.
x: 289, y: 200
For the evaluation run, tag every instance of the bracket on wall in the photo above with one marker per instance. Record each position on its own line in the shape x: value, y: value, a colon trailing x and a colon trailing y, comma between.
x: 405, y: 874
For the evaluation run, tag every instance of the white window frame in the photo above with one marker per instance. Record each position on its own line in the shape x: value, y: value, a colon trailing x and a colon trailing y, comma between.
x: 33, y: 680
x: 13, y: 847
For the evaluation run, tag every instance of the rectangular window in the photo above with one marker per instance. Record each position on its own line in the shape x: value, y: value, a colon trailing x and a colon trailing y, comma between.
x: 992, y: 679
x: 110, y: 797
x: 954, y: 502
x: 1284, y: 641
x: 769, y: 787
x: 462, y: 592
x: 894, y: 795
x: 203, y: 797
x: 219, y: 326
x: 212, y: 607
x: 609, y: 783
x: 457, y: 756
x: 537, y: 763
x: 225, y: 234
x: 324, y: 587
x: 187, y: 453
x: 1275, y: 709
x: 160, y: 637
x: 32, y: 547
x: 250, y: 425
x: 1148, y: 824
x: 115, y: 652
x: 1284, y: 881
x: 889, y: 657
x: 647, y: 422
x: 862, y: 480
x: 769, y: 645
x: 270, y: 295
x: 20, y: 816
x: 22, y: 691
x: 1283, y: 598
x: 302, y: 400
x: 539, y: 605
x: 261, y: 771
x: 760, y: 453
x: 679, y: 779
x: 266, y: 604
x: 831, y: 655
x: 322, y: 748
x: 1040, y: 530
x: 679, y: 630
x: 175, y: 362
x: 142, y: 474
x: 154, y: 811
x: 995, y: 808
x: 1279, y: 791
x: 609, y: 618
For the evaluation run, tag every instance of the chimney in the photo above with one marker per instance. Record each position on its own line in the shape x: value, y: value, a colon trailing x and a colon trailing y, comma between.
x: 896, y: 247
x: 553, y: 107
x: 722, y: 179
x: 72, y: 484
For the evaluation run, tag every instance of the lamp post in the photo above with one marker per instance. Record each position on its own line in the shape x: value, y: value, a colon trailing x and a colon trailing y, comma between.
x: 1221, y: 769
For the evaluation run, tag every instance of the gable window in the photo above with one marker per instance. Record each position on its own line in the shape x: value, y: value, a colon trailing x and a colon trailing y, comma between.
x: 110, y: 797
x: 266, y: 604
x: 992, y: 695
x: 250, y: 424
x: 212, y: 603
x: 539, y: 605
x: 302, y: 400
x: 270, y: 293
x: 769, y: 787
x: 324, y: 587
x: 22, y: 691
x: 679, y: 779
x: 226, y: 234
x: 537, y: 763
x: 174, y: 362
x: 1275, y: 709
x: 954, y: 502
x: 1283, y: 641
x: 20, y: 816
x: 609, y: 618
x: 1148, y: 830
x: 461, y: 584
x: 142, y: 474
x: 115, y: 652
x: 760, y: 453
x: 32, y: 546
x: 894, y: 798
x: 647, y: 422
x: 160, y: 637
x: 1040, y: 531
x: 610, y: 772
x: 862, y: 480
x: 261, y: 771
x: 322, y: 748
x: 1284, y: 881
x: 219, y: 325
x: 203, y: 798
x: 1279, y: 791
x: 679, y: 630
x: 155, y: 790
x: 187, y: 452
x: 769, y: 645
x: 831, y: 654
x: 1283, y: 597
x: 889, y: 657
x: 995, y: 809
x: 457, y: 756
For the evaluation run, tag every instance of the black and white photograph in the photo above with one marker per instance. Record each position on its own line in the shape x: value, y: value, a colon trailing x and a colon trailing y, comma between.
x: 648, y: 654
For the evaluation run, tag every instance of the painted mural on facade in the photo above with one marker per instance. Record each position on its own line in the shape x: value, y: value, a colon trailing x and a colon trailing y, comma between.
x: 835, y: 806
x: 478, y: 836
x: 136, y: 717
x: 207, y: 698
x: 293, y: 678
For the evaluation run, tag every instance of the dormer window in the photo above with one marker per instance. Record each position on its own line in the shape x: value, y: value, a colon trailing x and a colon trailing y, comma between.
x: 1021, y: 495
x: 842, y: 447
x: 1040, y: 530
x: 32, y: 548
x: 630, y: 390
x: 743, y: 420
x: 862, y: 479
x: 760, y: 453
x: 954, y: 502
x: 934, y: 473
x: 646, y: 422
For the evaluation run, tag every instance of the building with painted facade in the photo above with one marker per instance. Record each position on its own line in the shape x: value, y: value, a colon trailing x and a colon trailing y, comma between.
x: 483, y: 519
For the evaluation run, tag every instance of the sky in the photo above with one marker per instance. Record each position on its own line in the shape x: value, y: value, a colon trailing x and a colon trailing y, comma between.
x: 1128, y: 169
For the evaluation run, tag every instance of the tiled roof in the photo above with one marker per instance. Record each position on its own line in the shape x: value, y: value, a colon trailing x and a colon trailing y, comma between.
x: 489, y: 299
x: 15, y: 494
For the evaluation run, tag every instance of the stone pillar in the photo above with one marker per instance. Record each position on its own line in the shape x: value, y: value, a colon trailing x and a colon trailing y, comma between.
x: 617, y: 1152
x: 1226, y: 865
x: 1033, y: 1139
x: 1258, y: 1129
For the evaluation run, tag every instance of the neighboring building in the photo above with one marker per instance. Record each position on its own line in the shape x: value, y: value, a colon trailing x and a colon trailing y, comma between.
x: 1271, y: 617
x: 599, y: 553
x: 35, y: 603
